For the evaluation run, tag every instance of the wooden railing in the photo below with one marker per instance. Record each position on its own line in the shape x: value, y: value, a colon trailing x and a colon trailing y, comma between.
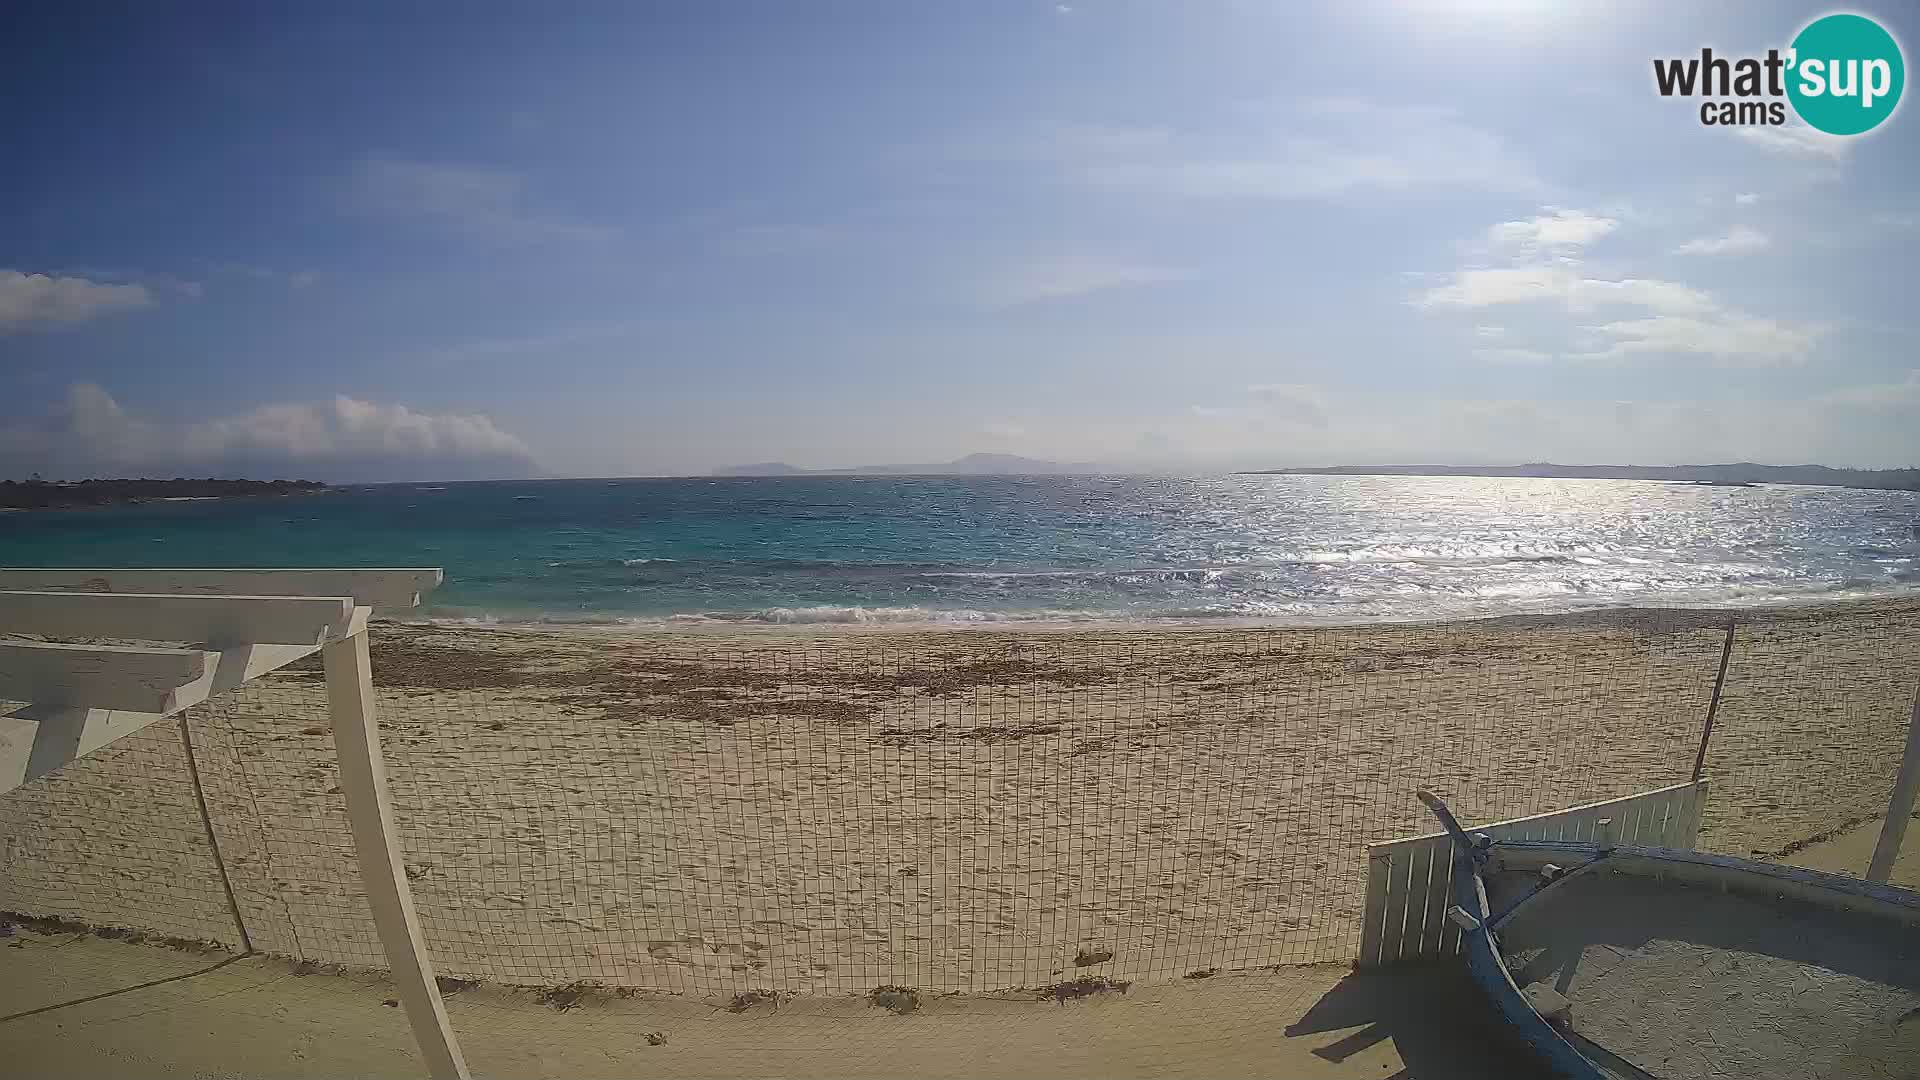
x: 1410, y: 881
x: 235, y: 625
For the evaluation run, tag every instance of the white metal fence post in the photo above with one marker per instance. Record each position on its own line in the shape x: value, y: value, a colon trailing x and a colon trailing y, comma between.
x: 1900, y: 807
x: 363, y: 780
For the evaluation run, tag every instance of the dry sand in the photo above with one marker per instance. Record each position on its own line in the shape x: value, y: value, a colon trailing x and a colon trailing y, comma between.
x: 725, y: 814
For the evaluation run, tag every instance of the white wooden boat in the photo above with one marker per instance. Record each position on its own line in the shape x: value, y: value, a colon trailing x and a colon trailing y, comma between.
x: 1619, y: 961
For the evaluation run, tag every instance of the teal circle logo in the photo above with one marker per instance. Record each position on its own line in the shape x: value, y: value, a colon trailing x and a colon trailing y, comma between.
x: 1846, y: 74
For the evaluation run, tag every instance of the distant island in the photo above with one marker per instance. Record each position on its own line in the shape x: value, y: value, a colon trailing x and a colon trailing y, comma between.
x: 971, y: 465
x: 1737, y: 474
x: 51, y: 495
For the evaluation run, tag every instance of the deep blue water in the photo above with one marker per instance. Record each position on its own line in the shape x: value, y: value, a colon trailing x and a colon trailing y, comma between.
x: 969, y: 549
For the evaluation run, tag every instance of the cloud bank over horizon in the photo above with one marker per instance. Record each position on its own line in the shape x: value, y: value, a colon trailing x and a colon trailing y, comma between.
x: 343, y: 440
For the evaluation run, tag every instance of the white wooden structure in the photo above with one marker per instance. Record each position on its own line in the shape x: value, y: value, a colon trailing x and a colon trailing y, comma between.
x: 1906, y: 785
x: 1410, y: 882
x: 220, y: 628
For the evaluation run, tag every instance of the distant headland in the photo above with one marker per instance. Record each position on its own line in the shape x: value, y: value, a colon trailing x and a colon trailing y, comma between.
x: 1737, y: 474
x: 53, y: 495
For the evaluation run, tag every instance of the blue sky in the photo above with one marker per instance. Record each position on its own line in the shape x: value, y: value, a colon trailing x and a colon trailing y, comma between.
x: 406, y: 241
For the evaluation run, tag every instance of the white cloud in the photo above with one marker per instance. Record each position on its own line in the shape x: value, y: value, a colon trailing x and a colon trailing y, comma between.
x: 1057, y: 277
x: 30, y: 300
x: 1900, y: 397
x: 1499, y: 285
x: 1684, y: 319
x: 1270, y: 407
x: 1295, y: 403
x: 1678, y: 319
x: 1557, y: 232
x: 1796, y: 140
x: 1726, y: 335
x: 1490, y: 333
x: 1739, y: 240
x: 1746, y: 198
x: 90, y: 434
x: 1897, y: 221
x: 1665, y: 296
x: 1512, y: 356
x: 1533, y: 284
x: 484, y: 203
x: 1869, y: 426
x: 1315, y: 150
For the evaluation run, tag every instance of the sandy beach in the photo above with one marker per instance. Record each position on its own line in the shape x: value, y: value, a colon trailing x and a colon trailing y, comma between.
x: 729, y: 814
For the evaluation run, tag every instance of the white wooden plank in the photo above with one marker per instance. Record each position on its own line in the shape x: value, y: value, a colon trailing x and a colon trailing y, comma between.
x: 1677, y: 833
x: 1906, y: 784
x: 1651, y: 826
x: 1627, y: 824
x: 1603, y: 807
x: 98, y: 676
x: 1672, y: 834
x: 23, y: 756
x: 1439, y: 895
x: 1661, y: 811
x: 363, y: 781
x: 1687, y: 836
x: 58, y: 739
x: 1372, y: 915
x: 212, y: 620
x: 1412, y: 935
x: 1449, y: 930
x: 1570, y: 827
x: 379, y: 588
x: 1580, y: 828
x: 1410, y: 880
x: 16, y: 750
x: 1394, y: 926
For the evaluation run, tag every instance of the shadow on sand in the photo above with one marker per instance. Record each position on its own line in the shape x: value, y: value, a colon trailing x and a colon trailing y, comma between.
x: 1439, y: 1024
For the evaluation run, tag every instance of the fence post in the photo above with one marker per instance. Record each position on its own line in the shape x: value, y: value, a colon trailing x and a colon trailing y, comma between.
x: 1900, y: 807
x: 213, y: 841
x: 1713, y: 706
x: 363, y: 780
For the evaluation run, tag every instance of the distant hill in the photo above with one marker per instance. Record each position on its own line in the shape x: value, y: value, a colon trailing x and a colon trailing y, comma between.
x: 1735, y: 474
x: 43, y: 495
x: 971, y: 465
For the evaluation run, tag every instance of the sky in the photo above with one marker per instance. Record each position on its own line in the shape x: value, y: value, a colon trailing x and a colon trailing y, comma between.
x: 424, y: 241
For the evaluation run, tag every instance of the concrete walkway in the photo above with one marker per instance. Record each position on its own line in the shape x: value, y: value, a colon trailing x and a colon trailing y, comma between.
x: 80, y: 1005
x: 77, y: 1005
x: 1851, y: 851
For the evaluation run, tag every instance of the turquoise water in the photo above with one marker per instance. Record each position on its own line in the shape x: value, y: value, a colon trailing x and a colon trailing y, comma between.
x: 993, y: 549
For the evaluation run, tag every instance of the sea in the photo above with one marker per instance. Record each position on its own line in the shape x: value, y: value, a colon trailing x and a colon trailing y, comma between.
x: 858, y: 551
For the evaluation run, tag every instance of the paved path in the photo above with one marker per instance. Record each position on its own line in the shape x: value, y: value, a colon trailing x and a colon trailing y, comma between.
x: 79, y: 1005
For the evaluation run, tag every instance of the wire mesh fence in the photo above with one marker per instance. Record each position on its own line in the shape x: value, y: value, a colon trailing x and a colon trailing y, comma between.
x: 1811, y: 728
x: 974, y: 812
x: 116, y: 840
x: 726, y: 816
